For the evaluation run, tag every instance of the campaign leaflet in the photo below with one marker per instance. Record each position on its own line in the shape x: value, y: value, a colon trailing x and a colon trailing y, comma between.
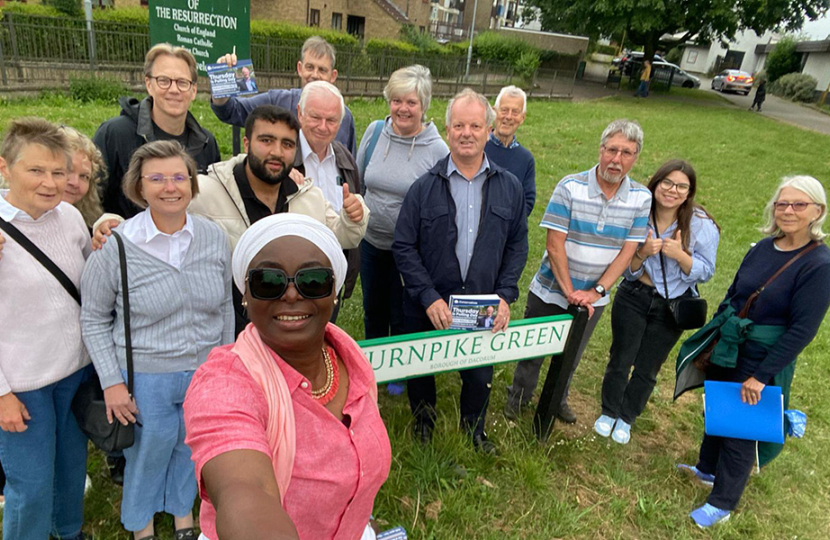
x: 474, y: 311
x: 227, y: 81
x: 398, y: 533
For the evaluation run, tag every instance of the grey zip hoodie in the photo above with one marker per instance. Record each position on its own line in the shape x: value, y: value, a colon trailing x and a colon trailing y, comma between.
x: 393, y: 167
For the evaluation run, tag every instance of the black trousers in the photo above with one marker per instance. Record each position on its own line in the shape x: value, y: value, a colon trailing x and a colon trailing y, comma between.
x: 644, y: 333
x: 730, y: 460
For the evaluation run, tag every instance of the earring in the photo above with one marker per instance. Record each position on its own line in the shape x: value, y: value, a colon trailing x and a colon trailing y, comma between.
x: 244, y: 303
x: 335, y: 301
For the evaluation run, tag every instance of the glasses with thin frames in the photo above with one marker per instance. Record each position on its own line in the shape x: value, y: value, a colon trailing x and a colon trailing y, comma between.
x: 162, y: 179
x: 667, y: 184
x: 781, y: 206
x: 271, y: 283
x: 612, y: 151
x: 165, y: 83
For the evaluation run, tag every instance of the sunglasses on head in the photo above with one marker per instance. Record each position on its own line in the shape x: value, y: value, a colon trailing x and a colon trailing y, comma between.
x: 271, y: 283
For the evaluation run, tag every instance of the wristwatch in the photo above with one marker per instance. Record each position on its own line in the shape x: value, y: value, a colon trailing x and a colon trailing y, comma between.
x: 600, y: 290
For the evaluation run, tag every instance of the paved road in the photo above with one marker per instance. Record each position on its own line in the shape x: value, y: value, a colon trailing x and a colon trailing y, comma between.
x: 774, y: 107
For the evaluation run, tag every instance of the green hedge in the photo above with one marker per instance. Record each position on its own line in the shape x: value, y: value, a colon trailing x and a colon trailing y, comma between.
x: 795, y: 86
x: 129, y: 15
x: 500, y: 48
x: 30, y: 9
x: 390, y: 46
x: 296, y: 33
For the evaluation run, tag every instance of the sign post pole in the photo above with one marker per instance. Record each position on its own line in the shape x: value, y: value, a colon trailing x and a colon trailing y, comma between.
x: 557, y: 378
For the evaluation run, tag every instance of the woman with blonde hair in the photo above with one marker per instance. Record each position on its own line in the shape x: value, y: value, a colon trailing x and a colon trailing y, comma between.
x: 82, y: 183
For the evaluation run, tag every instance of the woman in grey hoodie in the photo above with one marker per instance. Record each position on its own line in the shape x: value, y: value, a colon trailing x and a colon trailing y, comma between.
x: 393, y: 153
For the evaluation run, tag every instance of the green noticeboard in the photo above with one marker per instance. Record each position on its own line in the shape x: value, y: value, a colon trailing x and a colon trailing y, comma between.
x: 207, y: 28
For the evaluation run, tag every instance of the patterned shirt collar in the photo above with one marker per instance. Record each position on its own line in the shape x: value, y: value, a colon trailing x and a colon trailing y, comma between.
x: 495, y: 140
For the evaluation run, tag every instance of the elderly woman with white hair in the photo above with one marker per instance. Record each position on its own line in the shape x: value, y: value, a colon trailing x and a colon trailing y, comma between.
x: 785, y: 311
x: 284, y: 424
x: 393, y: 154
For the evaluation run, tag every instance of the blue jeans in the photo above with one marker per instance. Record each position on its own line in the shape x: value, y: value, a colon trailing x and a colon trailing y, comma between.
x: 159, y: 476
x: 382, y: 292
x: 642, y: 90
x: 45, y: 466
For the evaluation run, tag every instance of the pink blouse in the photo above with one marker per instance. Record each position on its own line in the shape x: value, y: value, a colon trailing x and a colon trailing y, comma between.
x: 338, y: 467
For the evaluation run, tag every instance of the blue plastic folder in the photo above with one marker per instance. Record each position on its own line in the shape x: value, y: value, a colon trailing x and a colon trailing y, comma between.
x: 727, y: 416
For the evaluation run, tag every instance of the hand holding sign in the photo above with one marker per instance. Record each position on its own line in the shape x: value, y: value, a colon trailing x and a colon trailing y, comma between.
x: 353, y: 206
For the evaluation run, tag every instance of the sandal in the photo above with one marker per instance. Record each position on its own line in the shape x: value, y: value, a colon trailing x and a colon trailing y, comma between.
x: 186, y: 534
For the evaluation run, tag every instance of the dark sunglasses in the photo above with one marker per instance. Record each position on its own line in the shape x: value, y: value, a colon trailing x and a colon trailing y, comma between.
x: 271, y: 283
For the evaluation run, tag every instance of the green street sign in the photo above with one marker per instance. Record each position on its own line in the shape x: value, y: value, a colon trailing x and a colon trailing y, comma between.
x: 428, y: 353
x: 207, y: 28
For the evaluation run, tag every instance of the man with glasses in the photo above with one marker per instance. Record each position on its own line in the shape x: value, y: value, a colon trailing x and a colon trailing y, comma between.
x: 595, y: 220
x: 170, y: 79
x: 504, y: 149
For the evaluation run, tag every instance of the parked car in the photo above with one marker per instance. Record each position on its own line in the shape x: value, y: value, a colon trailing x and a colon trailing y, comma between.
x: 680, y: 77
x: 733, y: 79
x: 630, y: 61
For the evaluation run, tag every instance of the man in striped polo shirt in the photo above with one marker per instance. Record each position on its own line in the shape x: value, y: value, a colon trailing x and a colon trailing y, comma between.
x: 595, y: 220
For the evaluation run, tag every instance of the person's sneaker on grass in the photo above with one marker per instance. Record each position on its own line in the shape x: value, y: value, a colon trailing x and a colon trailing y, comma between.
x: 395, y: 388
x: 622, y: 432
x: 708, y: 515
x: 604, y: 425
x: 704, y: 478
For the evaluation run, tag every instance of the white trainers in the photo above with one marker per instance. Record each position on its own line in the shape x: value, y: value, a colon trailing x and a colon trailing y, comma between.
x: 604, y: 425
x: 87, y: 484
x: 622, y: 432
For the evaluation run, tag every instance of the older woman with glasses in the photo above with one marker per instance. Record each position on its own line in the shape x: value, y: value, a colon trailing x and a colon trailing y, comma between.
x: 393, y: 154
x: 678, y: 254
x: 284, y: 425
x: 784, y: 319
x: 179, y: 279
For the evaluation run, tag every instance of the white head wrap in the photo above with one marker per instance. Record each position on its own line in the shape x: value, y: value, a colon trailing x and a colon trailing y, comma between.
x: 270, y: 228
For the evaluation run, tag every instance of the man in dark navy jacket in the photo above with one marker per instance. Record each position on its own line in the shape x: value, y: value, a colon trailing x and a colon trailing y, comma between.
x: 462, y: 229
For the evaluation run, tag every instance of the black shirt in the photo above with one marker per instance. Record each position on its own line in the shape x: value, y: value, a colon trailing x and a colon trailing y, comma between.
x: 255, y: 208
x: 162, y: 135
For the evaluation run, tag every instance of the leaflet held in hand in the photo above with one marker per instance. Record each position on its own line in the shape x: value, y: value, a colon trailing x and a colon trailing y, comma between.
x: 227, y: 81
x: 474, y: 311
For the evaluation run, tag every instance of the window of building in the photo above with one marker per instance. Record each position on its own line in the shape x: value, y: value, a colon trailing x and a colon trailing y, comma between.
x: 337, y: 21
x: 356, y: 26
x: 314, y: 17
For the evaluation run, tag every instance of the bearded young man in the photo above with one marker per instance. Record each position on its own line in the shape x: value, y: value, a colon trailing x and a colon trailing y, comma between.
x: 595, y: 220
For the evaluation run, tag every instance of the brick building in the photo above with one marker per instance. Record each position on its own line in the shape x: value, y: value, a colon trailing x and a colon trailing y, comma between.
x: 363, y: 18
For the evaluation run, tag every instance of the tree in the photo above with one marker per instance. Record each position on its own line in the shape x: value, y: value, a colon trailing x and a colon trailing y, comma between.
x: 782, y: 60
x: 646, y: 20
x: 70, y: 7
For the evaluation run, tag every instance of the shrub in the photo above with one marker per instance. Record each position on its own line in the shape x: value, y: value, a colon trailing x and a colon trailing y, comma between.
x: 795, y: 86
x: 527, y: 65
x: 296, y: 33
x: 103, y: 89
x: 783, y: 59
x: 497, y: 47
x: 29, y: 9
x: 127, y: 15
x: 68, y: 7
x: 390, y: 46
x: 425, y: 43
x: 675, y: 55
x: 605, y: 49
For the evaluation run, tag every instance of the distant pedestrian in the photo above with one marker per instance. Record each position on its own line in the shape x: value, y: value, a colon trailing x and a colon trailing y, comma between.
x: 645, y: 78
x: 760, y: 95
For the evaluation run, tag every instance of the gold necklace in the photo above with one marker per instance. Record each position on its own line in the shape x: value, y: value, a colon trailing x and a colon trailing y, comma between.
x: 320, y: 392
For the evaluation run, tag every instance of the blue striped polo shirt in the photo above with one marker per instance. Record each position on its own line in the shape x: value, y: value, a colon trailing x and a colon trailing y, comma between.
x: 596, y: 227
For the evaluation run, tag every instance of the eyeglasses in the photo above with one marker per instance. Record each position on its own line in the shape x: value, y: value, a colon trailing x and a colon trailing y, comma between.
x: 667, y: 184
x: 612, y: 151
x: 271, y: 283
x: 781, y: 206
x: 161, y: 179
x: 165, y: 83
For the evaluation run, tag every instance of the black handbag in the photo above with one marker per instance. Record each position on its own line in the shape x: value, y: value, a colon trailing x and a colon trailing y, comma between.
x: 689, y: 312
x: 88, y: 406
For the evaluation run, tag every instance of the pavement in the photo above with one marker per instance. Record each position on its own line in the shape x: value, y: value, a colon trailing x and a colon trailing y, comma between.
x: 774, y: 107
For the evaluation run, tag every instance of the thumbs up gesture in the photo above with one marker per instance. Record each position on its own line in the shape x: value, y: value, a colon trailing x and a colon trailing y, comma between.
x: 673, y: 247
x: 651, y: 246
x: 352, y: 205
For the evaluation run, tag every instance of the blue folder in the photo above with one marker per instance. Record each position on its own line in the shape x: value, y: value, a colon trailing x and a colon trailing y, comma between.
x: 727, y: 416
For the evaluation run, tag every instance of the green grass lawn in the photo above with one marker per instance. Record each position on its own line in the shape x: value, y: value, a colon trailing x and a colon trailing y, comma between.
x: 580, y: 485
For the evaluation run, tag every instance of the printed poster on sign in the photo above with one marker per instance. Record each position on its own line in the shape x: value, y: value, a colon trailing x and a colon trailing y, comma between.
x: 227, y: 81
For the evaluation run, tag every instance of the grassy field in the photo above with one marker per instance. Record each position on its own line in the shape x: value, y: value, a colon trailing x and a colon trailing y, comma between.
x: 581, y: 486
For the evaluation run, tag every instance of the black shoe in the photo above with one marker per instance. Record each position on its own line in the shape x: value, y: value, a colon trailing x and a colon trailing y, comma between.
x: 566, y: 414
x: 482, y: 444
x: 185, y: 534
x: 116, y: 465
x: 511, y: 410
x: 422, y: 433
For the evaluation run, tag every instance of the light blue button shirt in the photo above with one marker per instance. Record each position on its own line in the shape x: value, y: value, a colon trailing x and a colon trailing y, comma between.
x: 468, y: 197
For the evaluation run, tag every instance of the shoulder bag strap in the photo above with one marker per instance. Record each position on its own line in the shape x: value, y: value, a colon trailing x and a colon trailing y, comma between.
x: 752, y: 297
x: 373, y: 141
x: 42, y: 258
x: 662, y: 263
x: 125, y: 292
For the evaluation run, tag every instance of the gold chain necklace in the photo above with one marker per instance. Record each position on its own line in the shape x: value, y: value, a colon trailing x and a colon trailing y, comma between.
x: 320, y: 392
